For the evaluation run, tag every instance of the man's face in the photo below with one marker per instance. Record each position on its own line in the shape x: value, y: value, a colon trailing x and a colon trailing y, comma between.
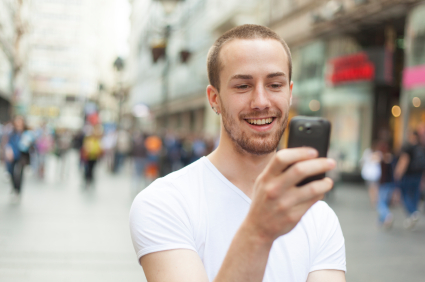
x: 255, y: 93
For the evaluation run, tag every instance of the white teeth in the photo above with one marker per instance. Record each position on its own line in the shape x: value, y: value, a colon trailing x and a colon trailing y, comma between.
x: 260, y: 121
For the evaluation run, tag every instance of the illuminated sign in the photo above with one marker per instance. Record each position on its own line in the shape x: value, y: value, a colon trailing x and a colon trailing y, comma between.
x: 414, y: 77
x: 356, y: 67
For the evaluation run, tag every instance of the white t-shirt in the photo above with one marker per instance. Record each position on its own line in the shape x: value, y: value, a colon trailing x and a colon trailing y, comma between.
x: 197, y: 208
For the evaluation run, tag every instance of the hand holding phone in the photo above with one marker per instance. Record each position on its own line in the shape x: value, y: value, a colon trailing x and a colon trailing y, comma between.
x: 310, y: 132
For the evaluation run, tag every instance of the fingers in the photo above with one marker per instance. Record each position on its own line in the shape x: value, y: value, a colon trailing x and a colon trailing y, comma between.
x: 312, y: 191
x: 301, y: 170
x: 285, y: 158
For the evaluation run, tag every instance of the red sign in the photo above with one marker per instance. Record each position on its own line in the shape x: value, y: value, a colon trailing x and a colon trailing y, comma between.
x: 351, y: 68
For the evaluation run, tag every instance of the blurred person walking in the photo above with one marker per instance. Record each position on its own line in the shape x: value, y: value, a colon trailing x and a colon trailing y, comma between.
x: 91, y: 152
x: 153, y: 146
x: 62, y: 143
x: 172, y: 148
x: 44, y: 143
x: 140, y: 157
x: 408, y: 174
x: 122, y: 149
x: 371, y: 172
x: 109, y: 141
x: 77, y: 144
x: 199, y: 149
x: 386, y: 186
x: 19, y: 143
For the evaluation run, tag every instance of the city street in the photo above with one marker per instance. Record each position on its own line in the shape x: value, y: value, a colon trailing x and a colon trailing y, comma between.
x: 61, y: 231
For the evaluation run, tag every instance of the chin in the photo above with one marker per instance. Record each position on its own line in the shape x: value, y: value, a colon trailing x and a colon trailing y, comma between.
x: 258, y: 145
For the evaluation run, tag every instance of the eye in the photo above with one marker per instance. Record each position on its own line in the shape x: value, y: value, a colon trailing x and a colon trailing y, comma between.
x: 276, y: 85
x: 243, y: 86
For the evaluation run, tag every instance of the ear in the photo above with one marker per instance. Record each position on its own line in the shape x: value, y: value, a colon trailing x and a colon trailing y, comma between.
x: 213, y: 99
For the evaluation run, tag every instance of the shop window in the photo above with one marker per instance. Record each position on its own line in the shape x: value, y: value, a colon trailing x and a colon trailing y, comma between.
x: 418, y: 50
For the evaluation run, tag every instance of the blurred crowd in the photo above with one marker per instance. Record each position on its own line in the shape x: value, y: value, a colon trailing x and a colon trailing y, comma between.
x: 149, y: 154
x: 392, y: 178
x: 395, y: 178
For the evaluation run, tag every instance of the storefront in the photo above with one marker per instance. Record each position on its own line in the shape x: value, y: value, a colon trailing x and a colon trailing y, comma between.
x: 307, y: 75
x: 4, y: 110
x: 308, y: 66
x: 348, y: 101
x: 413, y: 97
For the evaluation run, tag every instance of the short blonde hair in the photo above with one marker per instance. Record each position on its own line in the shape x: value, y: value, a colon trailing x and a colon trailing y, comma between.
x: 247, y: 31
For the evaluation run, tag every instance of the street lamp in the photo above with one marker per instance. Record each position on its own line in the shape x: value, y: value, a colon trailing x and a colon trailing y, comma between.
x: 159, y: 51
x: 120, y: 94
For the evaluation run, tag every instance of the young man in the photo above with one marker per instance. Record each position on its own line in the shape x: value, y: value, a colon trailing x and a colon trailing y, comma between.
x: 237, y: 215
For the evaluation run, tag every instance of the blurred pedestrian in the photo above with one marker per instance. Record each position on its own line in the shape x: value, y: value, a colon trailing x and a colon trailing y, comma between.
x: 140, y: 157
x: 199, y: 149
x: 122, y: 149
x: 62, y: 143
x: 77, y: 144
x: 153, y: 146
x: 386, y: 186
x: 371, y: 171
x: 17, y: 149
x: 408, y: 173
x: 92, y: 151
x: 109, y: 141
x: 44, y: 144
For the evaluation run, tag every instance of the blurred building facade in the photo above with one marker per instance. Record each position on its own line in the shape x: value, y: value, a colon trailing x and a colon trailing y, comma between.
x: 14, y: 87
x: 349, y: 59
x: 358, y: 63
x: 72, y: 51
x: 174, y: 85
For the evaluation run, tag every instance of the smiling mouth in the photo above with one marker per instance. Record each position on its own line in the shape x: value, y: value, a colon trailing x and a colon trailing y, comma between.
x: 263, y: 121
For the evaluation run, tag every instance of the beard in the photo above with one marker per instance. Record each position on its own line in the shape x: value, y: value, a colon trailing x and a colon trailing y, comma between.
x: 256, y: 143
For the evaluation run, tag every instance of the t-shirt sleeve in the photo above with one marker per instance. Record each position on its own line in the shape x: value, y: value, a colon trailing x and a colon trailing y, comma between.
x: 159, y: 220
x: 330, y: 252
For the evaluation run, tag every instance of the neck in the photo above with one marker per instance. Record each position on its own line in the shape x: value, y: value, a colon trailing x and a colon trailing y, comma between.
x: 238, y: 166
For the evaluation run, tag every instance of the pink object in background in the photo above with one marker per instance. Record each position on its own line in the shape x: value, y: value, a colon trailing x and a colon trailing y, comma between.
x: 414, y: 76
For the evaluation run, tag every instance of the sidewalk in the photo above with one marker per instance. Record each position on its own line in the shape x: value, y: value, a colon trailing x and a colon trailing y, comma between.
x: 373, y: 254
x: 62, y: 232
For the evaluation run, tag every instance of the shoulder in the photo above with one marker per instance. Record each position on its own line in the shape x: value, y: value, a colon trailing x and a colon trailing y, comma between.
x: 321, y: 218
x: 321, y: 209
x: 177, y: 188
x: 407, y: 148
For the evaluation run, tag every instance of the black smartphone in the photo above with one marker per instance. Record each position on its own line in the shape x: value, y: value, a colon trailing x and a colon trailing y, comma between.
x: 310, y: 132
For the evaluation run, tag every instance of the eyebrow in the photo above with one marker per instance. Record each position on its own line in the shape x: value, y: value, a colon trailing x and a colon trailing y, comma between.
x: 271, y: 75
x: 247, y: 76
x: 241, y: 76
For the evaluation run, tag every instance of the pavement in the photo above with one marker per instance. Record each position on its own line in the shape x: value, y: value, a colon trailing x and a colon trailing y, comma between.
x: 62, y: 231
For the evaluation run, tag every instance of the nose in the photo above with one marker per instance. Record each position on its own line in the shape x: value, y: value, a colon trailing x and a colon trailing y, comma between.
x: 260, y: 99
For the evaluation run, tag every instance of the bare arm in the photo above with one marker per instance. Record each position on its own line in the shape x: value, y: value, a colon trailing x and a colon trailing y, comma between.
x: 401, y: 166
x: 326, y: 276
x: 277, y: 207
x: 173, y: 266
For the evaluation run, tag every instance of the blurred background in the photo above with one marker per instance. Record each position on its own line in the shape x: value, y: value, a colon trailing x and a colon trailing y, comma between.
x: 98, y: 98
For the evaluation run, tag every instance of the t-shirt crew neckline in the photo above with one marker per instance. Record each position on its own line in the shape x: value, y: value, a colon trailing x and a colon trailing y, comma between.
x: 226, y: 181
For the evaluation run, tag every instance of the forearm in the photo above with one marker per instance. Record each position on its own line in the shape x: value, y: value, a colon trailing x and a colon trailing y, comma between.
x: 401, y: 166
x: 246, y: 258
